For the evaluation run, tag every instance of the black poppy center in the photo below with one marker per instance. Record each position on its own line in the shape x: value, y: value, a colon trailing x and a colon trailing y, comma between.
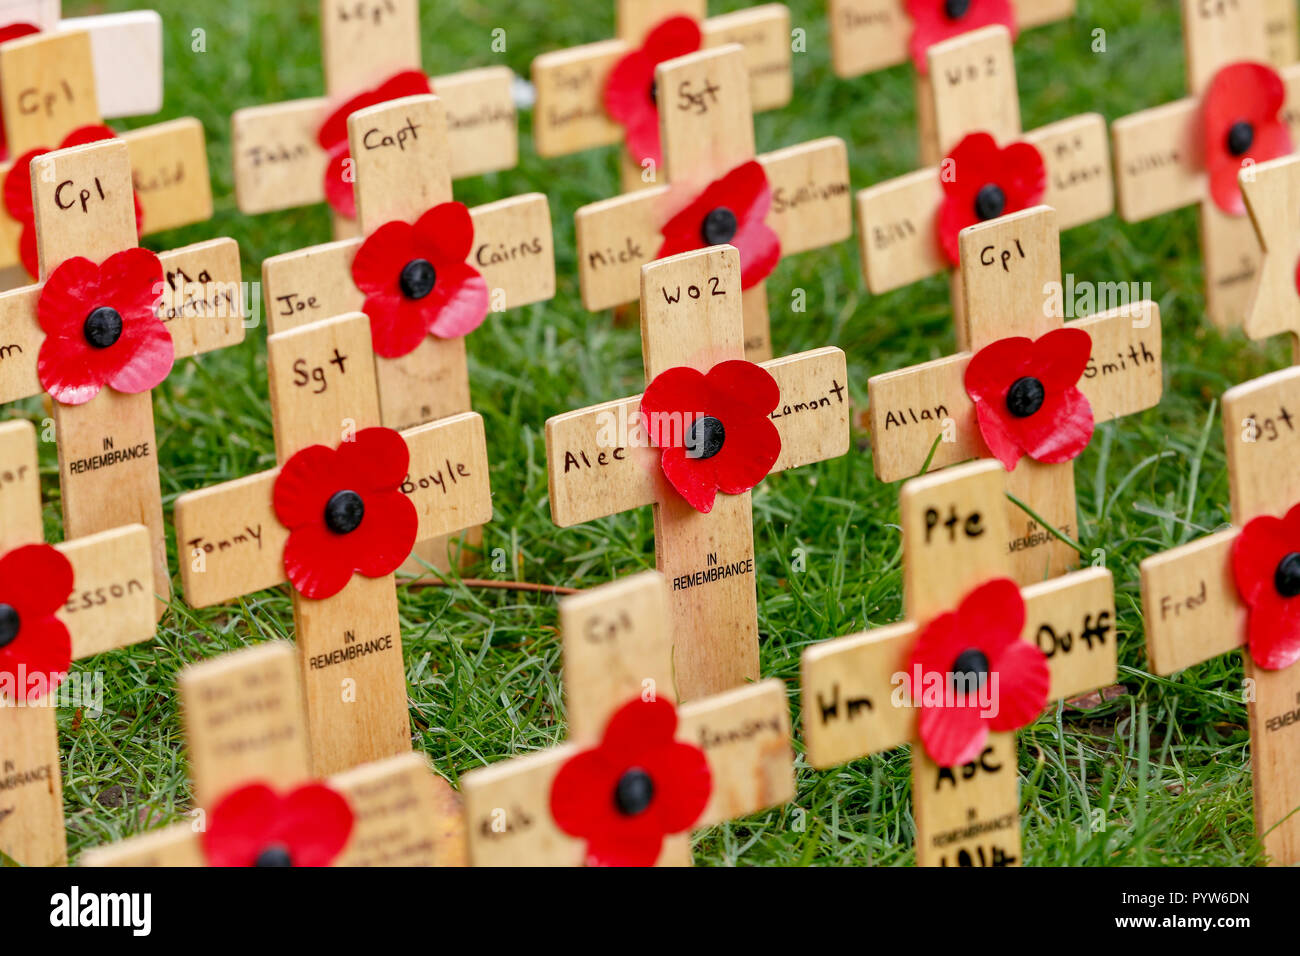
x: 277, y: 854
x: 8, y: 624
x: 990, y: 202
x: 634, y: 791
x: 1025, y: 396
x: 971, y: 668
x: 956, y: 9
x: 418, y: 278
x: 1287, y: 576
x: 103, y: 327
x: 1241, y: 138
x: 344, y: 511
x: 654, y: 92
x: 705, y: 438
x: 719, y: 227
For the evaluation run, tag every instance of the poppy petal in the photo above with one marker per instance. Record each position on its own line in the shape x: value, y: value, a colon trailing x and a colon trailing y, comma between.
x: 952, y: 735
x: 1024, y: 680
x: 462, y: 302
x: 318, y: 562
x: 693, y: 479
x: 314, y: 822
x: 35, y: 580
x: 304, y: 486
x: 239, y: 826
x: 931, y: 24
x: 445, y: 234
x: 42, y: 650
x: 1273, y: 632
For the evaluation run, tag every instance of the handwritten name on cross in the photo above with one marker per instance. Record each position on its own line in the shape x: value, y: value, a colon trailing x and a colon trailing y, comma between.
x: 108, y: 454
x: 570, y: 114
x: 279, y: 162
x: 109, y: 605
x: 244, y: 725
x: 618, y: 650
x: 973, y: 90
x: 1012, y: 288
x: 600, y: 463
x: 707, y: 131
x: 1194, y: 611
x: 231, y: 541
x: 861, y: 696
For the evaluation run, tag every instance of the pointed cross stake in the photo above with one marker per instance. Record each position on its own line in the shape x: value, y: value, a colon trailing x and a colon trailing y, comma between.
x: 871, y: 35
x: 108, y: 456
x: 401, y: 150
x: 974, y: 90
x: 231, y: 542
x: 570, y: 114
x: 707, y: 131
x: 280, y: 164
x: 600, y: 463
x: 617, y: 649
x: 1272, y: 194
x: 111, y: 605
x: 1160, y: 159
x: 1011, y: 274
x: 954, y: 526
x: 244, y: 725
x: 169, y: 161
x: 1193, y: 610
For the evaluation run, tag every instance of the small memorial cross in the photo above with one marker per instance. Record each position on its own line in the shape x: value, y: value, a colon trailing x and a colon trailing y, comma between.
x: 975, y: 659
x: 1030, y: 390
x: 256, y: 802
x: 604, y: 93
x: 293, y: 154
x: 632, y: 756
x: 1191, y: 152
x: 57, y: 604
x: 769, y: 207
x: 103, y: 329
x: 708, y: 429
x: 909, y: 226
x: 332, y: 519
x: 1236, y: 590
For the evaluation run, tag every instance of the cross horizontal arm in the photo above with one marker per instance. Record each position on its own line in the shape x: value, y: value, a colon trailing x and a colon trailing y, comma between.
x: 112, y: 604
x: 202, y: 314
x: 1190, y: 603
x: 615, y: 237
x: 600, y: 462
x: 126, y: 49
x: 279, y: 163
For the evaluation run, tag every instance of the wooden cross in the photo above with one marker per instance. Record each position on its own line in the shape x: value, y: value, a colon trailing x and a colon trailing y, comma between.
x: 871, y: 35
x: 1012, y: 287
x: 600, y: 463
x: 1159, y: 156
x: 1272, y: 194
x: 570, y: 115
x: 617, y: 649
x: 108, y: 455
x: 514, y: 250
x: 110, y: 606
x: 244, y: 725
x: 707, y: 130
x: 954, y: 526
x: 230, y: 541
x: 50, y: 86
x: 279, y: 164
x: 1193, y: 610
x: 974, y: 90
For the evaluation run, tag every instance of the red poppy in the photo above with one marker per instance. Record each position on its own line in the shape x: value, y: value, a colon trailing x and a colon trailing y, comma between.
x: 1027, y: 398
x: 1243, y: 124
x: 1266, y: 567
x: 333, y: 135
x: 981, y: 182
x: 731, y: 210
x: 102, y: 328
x: 631, y: 97
x: 637, y: 787
x: 255, y: 826
x: 35, y: 582
x: 714, y: 429
x: 345, y: 511
x: 934, y: 21
x: 18, y: 192
x: 976, y: 674
x: 417, y: 282
x: 12, y: 31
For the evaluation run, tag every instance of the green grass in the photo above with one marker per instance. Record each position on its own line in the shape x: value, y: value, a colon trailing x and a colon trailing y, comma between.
x: 1166, y: 763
